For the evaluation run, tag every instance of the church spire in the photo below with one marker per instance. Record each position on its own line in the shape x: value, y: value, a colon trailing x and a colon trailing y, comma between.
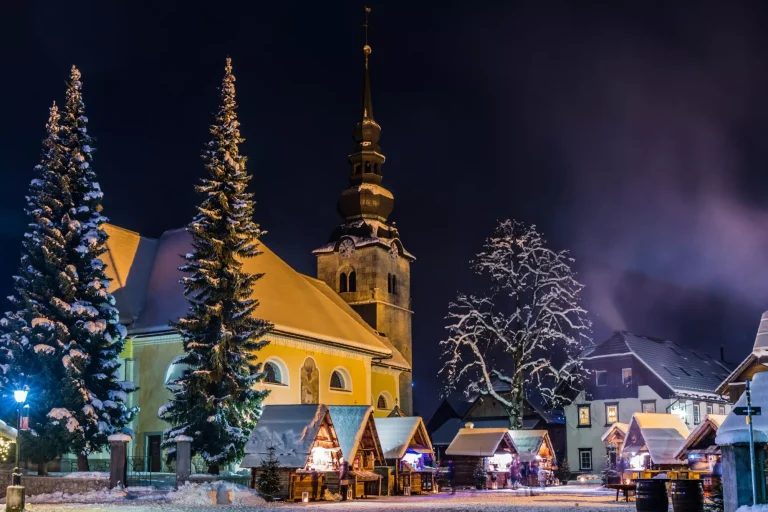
x: 367, y: 107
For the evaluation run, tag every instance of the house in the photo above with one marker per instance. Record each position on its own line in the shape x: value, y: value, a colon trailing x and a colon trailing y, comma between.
x: 408, y: 452
x: 490, y: 448
x: 757, y: 361
x: 631, y: 374
x: 305, y: 445
x: 653, y: 440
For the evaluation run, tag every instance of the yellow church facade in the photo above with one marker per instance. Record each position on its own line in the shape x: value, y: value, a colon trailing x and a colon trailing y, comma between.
x: 343, y: 338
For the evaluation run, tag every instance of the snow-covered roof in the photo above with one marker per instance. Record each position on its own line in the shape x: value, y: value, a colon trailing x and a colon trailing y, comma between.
x: 296, y: 304
x: 683, y: 370
x: 658, y: 433
x: 711, y: 424
x: 758, y: 356
x: 291, y: 429
x: 528, y: 443
x: 8, y: 431
x: 734, y: 428
x: 350, y: 422
x: 398, y: 434
x: 481, y: 442
x: 128, y: 260
x: 615, y: 428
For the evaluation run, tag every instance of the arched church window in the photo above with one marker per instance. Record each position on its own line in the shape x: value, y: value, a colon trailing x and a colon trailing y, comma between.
x: 367, y: 167
x: 337, y: 381
x: 382, y: 402
x: 352, y: 281
x: 272, y: 373
x: 174, y: 372
x: 342, y: 282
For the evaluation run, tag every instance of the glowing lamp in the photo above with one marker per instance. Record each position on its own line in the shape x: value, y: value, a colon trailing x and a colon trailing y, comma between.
x: 20, y: 395
x: 538, y: 457
x: 305, y: 497
x: 627, y: 481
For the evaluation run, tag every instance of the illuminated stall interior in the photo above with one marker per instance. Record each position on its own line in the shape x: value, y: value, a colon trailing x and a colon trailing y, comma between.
x: 360, y: 446
x: 613, y: 438
x: 535, y: 453
x: 700, y: 451
x: 305, y: 443
x: 490, y: 447
x: 408, y: 450
x: 651, y: 444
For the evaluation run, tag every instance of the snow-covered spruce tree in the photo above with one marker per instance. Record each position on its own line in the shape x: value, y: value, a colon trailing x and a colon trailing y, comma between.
x: 529, y: 328
x: 214, y: 401
x: 31, y: 344
x: 269, y: 478
x: 93, y: 396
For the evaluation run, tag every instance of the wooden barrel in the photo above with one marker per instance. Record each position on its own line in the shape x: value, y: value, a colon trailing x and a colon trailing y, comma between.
x: 652, y: 496
x: 687, y: 496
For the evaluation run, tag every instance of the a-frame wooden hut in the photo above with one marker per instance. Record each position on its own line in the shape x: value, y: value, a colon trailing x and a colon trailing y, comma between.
x: 408, y: 450
x: 360, y: 447
x: 491, y: 448
x: 306, y: 447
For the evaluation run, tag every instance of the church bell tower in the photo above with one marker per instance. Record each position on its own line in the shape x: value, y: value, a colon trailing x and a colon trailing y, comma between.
x: 364, y: 260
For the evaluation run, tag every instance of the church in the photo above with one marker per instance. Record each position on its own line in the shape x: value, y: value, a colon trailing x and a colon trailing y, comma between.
x: 342, y: 337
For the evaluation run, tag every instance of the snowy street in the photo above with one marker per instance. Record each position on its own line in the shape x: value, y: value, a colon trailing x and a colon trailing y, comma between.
x: 465, y: 501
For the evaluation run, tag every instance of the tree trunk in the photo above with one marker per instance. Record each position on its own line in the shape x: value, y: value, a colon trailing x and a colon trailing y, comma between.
x: 82, y: 462
x: 213, y: 469
x: 515, y: 412
x: 42, y: 469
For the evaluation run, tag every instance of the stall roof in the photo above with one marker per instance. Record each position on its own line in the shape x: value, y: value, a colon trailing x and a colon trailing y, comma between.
x: 396, y: 434
x: 711, y: 424
x: 616, y: 427
x: 528, y: 443
x: 661, y: 434
x: 482, y: 442
x: 291, y: 429
x: 350, y: 421
x: 734, y: 428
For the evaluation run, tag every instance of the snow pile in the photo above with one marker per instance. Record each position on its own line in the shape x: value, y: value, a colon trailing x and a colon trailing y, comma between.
x: 752, y: 508
x: 735, y: 429
x: 205, y: 494
x: 87, y: 475
x: 102, y: 496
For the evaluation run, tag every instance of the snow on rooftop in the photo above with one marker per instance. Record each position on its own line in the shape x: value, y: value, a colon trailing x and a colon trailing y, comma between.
x: 528, y: 442
x: 395, y: 434
x: 621, y: 427
x: 349, y: 422
x: 662, y: 435
x: 711, y: 422
x: 734, y: 429
x: 483, y: 442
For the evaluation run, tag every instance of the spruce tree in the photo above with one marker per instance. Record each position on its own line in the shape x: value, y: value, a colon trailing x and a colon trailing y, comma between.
x: 214, y: 401
x: 269, y: 479
x: 94, y: 396
x: 31, y: 346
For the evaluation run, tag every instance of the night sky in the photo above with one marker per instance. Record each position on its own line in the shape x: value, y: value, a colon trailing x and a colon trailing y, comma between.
x: 635, y: 135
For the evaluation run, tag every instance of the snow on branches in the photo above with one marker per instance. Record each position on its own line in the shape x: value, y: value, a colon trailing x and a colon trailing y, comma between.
x: 214, y: 400
x: 528, y: 328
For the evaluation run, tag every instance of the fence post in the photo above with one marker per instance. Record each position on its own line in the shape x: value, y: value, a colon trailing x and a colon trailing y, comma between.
x: 183, y: 459
x: 118, y: 456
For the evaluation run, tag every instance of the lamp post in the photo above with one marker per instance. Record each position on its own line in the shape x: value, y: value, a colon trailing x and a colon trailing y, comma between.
x: 20, y: 395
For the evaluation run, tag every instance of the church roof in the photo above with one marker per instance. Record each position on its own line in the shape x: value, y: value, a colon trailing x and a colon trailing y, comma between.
x: 296, y: 304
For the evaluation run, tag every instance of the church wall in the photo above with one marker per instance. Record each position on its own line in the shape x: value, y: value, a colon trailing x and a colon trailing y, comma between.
x: 384, y: 380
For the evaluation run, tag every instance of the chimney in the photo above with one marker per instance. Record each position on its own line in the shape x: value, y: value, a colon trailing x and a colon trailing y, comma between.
x: 469, y: 424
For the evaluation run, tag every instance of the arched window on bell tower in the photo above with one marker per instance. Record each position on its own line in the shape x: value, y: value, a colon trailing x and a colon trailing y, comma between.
x: 343, y: 282
x: 352, y: 281
x: 392, y: 284
x: 367, y: 167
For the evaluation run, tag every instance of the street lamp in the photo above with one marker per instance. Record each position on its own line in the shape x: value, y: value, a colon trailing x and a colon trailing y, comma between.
x: 20, y: 395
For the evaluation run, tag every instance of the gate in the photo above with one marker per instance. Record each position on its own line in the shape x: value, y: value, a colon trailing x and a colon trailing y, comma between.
x: 139, y: 472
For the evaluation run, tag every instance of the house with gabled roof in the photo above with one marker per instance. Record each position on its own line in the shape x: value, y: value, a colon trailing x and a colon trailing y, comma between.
x: 629, y: 374
x: 734, y: 383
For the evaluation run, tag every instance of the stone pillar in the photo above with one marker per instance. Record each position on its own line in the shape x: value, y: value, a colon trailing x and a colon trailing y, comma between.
x: 737, y: 484
x: 14, y: 499
x: 118, y: 467
x: 183, y: 459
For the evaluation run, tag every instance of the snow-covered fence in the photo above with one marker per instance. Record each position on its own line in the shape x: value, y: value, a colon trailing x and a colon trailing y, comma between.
x: 34, y: 485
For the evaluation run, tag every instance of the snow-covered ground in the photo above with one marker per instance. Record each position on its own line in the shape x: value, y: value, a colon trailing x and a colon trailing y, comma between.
x: 197, y: 497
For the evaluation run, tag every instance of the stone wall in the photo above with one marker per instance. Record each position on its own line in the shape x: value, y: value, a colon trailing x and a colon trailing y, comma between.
x: 34, y: 485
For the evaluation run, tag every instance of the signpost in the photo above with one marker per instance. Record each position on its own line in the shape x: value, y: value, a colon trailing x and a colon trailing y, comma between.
x: 751, y: 443
x: 742, y: 411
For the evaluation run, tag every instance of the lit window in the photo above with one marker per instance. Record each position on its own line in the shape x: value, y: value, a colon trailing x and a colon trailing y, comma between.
x: 382, y: 402
x: 721, y: 409
x: 626, y: 376
x: 337, y: 381
x: 585, y: 459
x: 709, y: 408
x: 611, y: 414
x: 649, y: 406
x: 272, y: 374
x: 696, y: 418
x: 584, y: 419
x: 601, y: 378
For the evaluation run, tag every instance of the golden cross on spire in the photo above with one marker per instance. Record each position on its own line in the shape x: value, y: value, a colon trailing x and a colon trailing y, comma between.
x: 365, y: 23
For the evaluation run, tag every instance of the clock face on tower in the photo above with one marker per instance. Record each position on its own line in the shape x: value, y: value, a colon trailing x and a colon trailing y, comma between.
x: 346, y: 248
x: 393, y: 251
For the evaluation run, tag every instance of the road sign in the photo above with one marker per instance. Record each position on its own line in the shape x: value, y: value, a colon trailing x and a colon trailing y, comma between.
x: 742, y: 411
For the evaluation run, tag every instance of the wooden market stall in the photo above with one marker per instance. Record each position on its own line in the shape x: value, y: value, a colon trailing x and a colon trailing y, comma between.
x: 305, y: 444
x: 408, y: 453
x: 700, y: 451
x: 535, y: 454
x: 651, y: 444
x: 613, y: 438
x: 489, y: 448
x: 360, y: 448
